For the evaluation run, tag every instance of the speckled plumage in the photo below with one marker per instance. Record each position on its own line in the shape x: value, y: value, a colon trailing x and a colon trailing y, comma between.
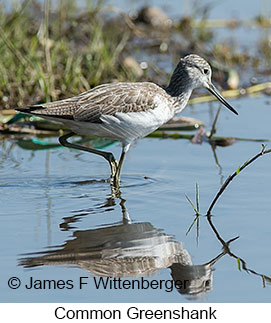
x: 106, y: 99
x: 127, y: 111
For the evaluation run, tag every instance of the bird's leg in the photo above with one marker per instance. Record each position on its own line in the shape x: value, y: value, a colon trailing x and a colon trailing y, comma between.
x: 117, y: 175
x: 116, y: 179
x: 107, y: 155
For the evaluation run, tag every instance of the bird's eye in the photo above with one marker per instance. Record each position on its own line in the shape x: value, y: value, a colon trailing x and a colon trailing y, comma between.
x: 206, y: 71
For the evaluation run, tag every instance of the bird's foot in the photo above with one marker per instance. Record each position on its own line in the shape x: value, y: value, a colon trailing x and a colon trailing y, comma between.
x: 114, y: 178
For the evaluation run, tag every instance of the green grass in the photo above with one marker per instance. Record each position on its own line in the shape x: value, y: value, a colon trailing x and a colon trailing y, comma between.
x: 53, y: 49
x: 50, y: 53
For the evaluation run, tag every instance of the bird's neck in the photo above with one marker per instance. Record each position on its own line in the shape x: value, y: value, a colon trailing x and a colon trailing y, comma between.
x: 179, y: 88
x: 180, y: 95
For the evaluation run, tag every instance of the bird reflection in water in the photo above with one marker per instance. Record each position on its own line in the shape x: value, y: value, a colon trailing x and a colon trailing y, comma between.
x: 128, y: 249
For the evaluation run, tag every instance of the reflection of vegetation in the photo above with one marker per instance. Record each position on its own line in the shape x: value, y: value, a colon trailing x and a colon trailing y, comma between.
x: 225, y: 244
x: 241, y: 264
x: 197, y: 212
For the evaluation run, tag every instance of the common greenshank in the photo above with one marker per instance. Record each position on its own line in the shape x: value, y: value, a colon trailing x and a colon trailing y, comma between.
x: 127, y: 111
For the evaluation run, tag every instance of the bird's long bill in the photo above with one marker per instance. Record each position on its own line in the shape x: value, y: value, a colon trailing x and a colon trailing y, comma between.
x: 215, y: 92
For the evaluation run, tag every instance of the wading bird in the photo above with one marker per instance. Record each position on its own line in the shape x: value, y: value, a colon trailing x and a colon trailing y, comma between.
x: 127, y: 111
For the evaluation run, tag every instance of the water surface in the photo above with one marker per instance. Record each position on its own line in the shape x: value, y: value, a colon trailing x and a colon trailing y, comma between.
x: 55, y: 203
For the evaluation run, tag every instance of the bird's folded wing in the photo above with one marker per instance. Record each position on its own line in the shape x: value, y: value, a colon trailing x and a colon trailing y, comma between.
x: 106, y: 99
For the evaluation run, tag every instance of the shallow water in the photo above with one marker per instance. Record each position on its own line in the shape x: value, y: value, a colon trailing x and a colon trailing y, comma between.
x: 56, y: 204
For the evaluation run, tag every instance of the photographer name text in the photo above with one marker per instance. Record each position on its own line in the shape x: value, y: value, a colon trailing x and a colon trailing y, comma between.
x: 108, y: 283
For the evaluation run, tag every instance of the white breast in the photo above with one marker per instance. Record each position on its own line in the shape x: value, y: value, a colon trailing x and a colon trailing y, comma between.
x: 133, y: 125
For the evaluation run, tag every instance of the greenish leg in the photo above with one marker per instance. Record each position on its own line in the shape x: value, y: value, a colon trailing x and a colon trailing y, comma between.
x: 107, y: 155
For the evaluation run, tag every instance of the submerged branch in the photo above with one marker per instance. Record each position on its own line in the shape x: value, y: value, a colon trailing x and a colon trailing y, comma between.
x: 176, y: 135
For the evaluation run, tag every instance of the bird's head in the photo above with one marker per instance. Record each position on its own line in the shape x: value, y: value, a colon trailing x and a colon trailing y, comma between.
x: 194, y: 72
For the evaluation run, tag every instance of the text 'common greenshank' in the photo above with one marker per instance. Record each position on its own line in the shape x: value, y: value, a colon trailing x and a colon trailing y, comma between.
x: 127, y: 111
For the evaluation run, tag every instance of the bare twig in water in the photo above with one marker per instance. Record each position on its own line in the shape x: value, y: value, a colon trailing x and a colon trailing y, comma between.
x: 231, y: 177
x: 225, y: 244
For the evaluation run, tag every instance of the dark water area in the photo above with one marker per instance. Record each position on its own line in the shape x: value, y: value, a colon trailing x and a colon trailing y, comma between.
x: 59, y: 220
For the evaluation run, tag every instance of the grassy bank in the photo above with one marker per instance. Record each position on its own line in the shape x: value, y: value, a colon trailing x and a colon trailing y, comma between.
x: 55, y: 49
x: 47, y: 54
